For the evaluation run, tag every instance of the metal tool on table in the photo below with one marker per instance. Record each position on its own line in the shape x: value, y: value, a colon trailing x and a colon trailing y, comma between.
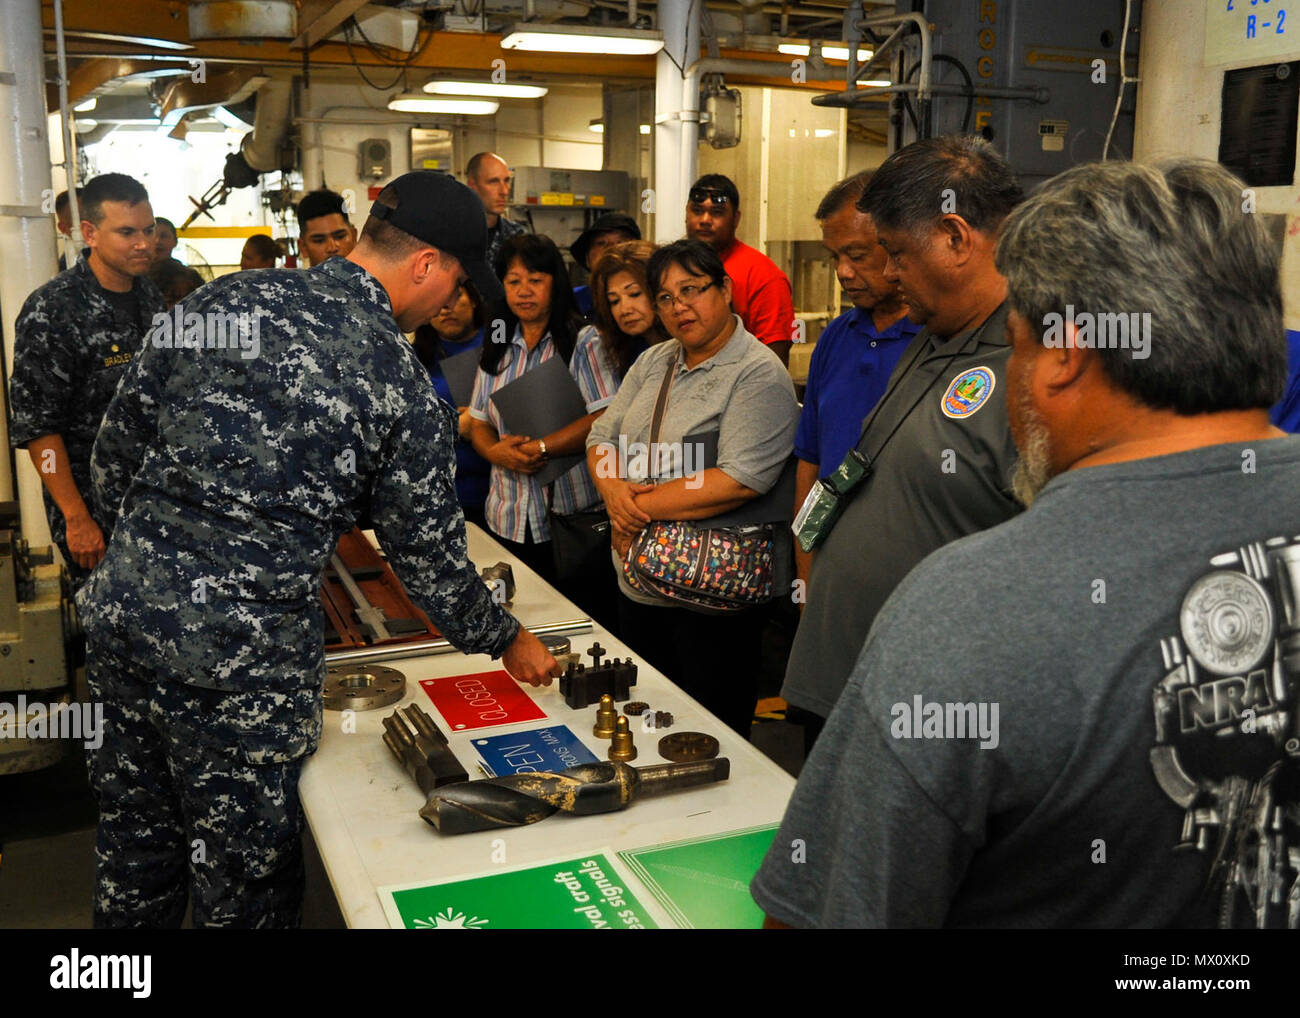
x: 361, y: 688
x: 684, y: 746
x: 500, y: 579
x: 519, y: 799
x: 582, y: 686
x: 422, y: 749
x: 606, y: 718
x: 367, y: 614
x: 621, y: 747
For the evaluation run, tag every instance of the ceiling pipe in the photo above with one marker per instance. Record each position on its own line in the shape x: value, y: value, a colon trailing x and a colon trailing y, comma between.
x: 261, y: 146
x: 677, y: 118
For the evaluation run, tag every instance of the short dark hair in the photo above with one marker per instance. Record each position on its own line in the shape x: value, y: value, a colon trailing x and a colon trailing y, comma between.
x: 1118, y: 239
x: 694, y: 256
x: 850, y: 189
x: 63, y: 201
x: 322, y: 202
x: 163, y: 221
x: 918, y: 184
x: 108, y: 187
x: 539, y: 254
x: 390, y: 241
x: 719, y: 182
x: 175, y: 280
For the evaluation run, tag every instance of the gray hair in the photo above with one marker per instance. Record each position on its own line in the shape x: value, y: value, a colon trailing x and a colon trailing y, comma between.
x: 1170, y: 241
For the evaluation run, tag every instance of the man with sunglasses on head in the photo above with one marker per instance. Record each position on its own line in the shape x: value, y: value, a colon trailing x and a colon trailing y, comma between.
x: 761, y: 292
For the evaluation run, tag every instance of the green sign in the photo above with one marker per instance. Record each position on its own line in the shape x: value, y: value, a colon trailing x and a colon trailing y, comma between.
x: 704, y: 883
x: 585, y: 893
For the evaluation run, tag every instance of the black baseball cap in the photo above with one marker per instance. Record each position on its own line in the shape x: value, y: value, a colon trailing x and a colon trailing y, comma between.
x: 445, y: 214
x: 610, y: 222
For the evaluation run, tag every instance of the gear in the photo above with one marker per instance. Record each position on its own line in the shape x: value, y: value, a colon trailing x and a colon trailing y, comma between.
x: 681, y: 747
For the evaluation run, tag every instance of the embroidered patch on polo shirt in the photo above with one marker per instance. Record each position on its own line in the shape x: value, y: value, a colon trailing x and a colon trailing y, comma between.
x: 968, y: 392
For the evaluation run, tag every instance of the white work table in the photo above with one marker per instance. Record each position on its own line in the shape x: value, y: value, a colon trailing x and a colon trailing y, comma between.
x: 363, y: 807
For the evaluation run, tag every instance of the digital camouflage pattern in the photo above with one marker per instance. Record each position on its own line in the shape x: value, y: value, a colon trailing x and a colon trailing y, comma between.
x: 69, y: 353
x: 506, y: 228
x: 194, y: 781
x: 237, y: 470
x: 237, y: 463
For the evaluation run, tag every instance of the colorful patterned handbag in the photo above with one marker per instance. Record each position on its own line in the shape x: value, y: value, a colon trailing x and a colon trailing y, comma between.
x: 711, y: 568
x: 721, y: 569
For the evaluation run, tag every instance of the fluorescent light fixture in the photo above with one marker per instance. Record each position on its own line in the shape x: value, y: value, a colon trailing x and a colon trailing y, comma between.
x: 874, y: 84
x: 802, y: 49
x: 598, y: 126
x: 823, y: 132
x: 582, y: 39
x: 86, y: 105
x: 424, y: 104
x: 645, y: 128
x: 485, y: 88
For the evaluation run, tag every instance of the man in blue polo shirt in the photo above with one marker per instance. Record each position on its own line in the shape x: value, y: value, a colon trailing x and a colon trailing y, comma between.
x: 856, y: 353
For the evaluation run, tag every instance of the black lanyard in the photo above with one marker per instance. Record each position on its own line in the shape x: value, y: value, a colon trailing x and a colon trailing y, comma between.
x: 866, y: 427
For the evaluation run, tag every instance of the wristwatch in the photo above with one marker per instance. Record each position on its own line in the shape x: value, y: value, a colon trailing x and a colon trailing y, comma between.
x: 541, y: 445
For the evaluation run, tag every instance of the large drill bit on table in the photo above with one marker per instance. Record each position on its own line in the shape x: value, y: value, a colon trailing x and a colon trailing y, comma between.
x: 519, y: 799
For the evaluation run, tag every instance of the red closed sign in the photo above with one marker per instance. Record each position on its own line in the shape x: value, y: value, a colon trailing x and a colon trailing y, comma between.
x: 483, y: 700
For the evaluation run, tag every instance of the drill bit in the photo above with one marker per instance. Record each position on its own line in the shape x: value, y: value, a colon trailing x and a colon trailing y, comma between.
x: 519, y: 799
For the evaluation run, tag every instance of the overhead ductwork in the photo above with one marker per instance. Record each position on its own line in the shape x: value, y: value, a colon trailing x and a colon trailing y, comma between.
x: 219, y: 87
x: 243, y: 19
x: 261, y: 146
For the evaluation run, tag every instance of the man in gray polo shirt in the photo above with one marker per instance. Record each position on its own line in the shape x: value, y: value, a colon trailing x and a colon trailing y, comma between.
x: 1086, y: 717
x: 938, y: 438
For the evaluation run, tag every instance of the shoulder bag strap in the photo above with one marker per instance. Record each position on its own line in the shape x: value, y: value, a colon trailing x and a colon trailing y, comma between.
x: 661, y: 404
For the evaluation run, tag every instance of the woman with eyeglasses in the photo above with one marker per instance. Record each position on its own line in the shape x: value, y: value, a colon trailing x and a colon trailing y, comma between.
x: 541, y: 323
x: 713, y: 378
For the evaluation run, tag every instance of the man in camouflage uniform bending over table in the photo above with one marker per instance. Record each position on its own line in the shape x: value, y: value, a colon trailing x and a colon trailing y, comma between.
x: 249, y: 434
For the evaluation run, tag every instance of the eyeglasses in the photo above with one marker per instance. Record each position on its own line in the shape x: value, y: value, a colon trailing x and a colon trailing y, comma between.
x: 687, y: 295
x: 699, y: 195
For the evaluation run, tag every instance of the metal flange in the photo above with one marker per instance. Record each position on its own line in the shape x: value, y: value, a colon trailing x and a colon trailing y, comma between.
x: 363, y: 687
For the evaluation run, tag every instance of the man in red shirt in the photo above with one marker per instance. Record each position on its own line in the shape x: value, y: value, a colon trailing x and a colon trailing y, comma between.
x: 760, y: 291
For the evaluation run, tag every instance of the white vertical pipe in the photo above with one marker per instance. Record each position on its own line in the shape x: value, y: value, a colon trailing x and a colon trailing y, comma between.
x: 677, y: 116
x: 26, y: 227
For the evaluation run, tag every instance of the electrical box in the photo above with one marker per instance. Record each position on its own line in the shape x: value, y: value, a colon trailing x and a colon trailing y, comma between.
x: 563, y: 203
x: 722, y: 112
x: 375, y: 159
x: 433, y: 148
x: 1069, y: 53
x: 543, y: 187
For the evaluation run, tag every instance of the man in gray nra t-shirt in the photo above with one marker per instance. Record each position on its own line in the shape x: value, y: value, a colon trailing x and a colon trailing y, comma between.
x: 1087, y: 715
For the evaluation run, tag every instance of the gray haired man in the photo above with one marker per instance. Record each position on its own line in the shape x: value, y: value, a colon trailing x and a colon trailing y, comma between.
x: 1045, y: 712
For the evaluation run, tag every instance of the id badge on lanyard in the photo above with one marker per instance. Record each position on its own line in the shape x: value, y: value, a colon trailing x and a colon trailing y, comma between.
x: 828, y: 498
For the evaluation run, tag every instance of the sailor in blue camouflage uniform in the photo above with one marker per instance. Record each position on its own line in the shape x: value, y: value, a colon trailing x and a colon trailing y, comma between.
x: 237, y: 466
x: 73, y: 340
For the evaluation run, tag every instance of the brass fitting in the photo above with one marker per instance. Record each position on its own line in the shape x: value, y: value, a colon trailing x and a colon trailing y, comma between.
x: 606, y: 716
x: 621, y: 748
